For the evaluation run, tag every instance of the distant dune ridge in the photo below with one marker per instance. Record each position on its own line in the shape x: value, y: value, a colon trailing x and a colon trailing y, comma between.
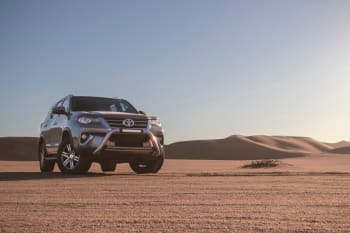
x: 236, y: 147
x: 341, y: 150
x: 339, y: 144
x: 239, y: 147
x: 19, y: 148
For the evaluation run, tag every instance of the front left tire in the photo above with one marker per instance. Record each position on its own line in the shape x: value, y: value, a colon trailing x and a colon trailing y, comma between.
x: 45, y: 165
x: 69, y: 161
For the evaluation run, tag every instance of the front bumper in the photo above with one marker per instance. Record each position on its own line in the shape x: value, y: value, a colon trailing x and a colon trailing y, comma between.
x: 98, y: 143
x: 153, y: 149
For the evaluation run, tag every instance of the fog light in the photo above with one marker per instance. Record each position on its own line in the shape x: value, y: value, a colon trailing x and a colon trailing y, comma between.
x: 84, y: 137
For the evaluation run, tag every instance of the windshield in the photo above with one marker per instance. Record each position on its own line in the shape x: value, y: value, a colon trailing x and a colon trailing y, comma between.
x: 82, y: 103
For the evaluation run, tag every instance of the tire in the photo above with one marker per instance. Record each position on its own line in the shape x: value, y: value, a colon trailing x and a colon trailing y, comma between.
x: 45, y: 165
x: 108, y: 166
x: 69, y: 161
x: 152, y: 166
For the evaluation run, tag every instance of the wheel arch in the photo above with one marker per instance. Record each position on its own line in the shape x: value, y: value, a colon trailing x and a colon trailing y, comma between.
x: 66, y: 134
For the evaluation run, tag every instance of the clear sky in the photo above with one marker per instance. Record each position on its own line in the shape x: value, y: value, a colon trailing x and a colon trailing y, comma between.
x: 208, y: 69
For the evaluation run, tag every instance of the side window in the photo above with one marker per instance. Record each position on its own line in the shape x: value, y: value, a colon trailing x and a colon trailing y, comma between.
x: 66, y: 104
x: 58, y: 104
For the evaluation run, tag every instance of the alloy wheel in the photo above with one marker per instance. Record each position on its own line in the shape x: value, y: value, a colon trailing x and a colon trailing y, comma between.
x: 69, y: 158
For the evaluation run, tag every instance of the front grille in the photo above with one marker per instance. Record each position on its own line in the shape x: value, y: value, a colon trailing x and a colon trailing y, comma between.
x: 135, y: 140
x: 117, y: 122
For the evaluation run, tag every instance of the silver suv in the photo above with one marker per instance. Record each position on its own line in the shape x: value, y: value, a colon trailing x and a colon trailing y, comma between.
x: 80, y: 130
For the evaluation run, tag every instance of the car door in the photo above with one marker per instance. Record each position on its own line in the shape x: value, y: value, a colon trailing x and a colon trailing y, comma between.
x: 47, y: 131
x: 56, y: 129
x: 45, y: 128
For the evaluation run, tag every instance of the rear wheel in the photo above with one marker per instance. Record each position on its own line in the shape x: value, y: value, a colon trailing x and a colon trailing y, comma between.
x: 45, y: 165
x: 69, y: 161
x: 152, y: 166
x: 108, y: 166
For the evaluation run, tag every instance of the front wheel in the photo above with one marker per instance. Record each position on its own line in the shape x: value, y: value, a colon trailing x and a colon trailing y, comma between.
x: 45, y: 165
x: 69, y: 161
x: 152, y: 166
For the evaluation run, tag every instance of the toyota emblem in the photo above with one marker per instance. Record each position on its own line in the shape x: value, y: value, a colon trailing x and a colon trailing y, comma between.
x: 128, y: 123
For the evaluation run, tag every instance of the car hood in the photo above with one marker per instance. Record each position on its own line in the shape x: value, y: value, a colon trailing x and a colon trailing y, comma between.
x: 114, y: 114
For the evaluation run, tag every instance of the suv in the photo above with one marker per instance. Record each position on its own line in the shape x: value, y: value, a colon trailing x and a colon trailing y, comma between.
x: 80, y: 130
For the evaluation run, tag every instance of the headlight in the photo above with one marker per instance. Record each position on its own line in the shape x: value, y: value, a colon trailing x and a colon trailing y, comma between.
x: 87, y: 120
x: 155, y: 121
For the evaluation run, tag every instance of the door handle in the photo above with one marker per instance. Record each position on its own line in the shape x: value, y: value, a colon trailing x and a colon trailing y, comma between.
x: 55, y: 123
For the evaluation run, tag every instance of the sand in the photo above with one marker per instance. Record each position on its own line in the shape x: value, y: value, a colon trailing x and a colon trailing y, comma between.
x: 304, y: 194
x: 308, y: 192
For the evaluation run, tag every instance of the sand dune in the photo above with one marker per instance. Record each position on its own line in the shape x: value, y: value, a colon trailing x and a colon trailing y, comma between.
x: 238, y: 147
x: 339, y: 144
x: 341, y: 150
x: 18, y: 148
x: 299, y: 144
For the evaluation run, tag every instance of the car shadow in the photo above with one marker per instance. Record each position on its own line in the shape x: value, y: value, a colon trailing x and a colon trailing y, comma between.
x: 13, y: 176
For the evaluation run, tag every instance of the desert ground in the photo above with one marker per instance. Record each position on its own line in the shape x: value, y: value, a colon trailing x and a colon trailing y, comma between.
x: 303, y: 194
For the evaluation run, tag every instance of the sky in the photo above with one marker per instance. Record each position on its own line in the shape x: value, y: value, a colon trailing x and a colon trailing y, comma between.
x: 207, y: 68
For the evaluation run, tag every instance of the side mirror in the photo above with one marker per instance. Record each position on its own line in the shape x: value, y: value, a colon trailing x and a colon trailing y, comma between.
x: 142, y: 112
x: 59, y: 110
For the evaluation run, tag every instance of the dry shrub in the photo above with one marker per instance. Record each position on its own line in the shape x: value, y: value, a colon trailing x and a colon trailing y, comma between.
x: 262, y: 163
